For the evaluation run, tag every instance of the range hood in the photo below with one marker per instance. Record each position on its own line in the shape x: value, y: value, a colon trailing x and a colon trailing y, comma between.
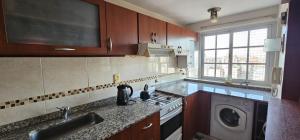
x: 155, y: 50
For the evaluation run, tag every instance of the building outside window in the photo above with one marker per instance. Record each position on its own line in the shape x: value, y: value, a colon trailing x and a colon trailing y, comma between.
x: 236, y: 55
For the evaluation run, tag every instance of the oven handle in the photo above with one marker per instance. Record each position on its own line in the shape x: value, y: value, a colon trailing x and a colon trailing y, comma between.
x: 172, y: 114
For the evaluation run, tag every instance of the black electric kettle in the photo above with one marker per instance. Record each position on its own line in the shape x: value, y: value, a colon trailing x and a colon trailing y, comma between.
x: 123, y: 94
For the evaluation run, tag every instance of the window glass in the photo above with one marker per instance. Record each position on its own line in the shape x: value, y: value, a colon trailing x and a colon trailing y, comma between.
x: 222, y: 70
x: 257, y: 55
x: 209, y: 56
x: 239, y: 55
x: 209, y: 70
x: 239, y: 71
x: 223, y: 56
x: 240, y: 39
x: 223, y: 41
x: 257, y: 37
x: 256, y: 72
x: 210, y: 42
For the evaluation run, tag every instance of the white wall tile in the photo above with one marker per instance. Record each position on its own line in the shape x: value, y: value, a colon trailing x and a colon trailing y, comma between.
x: 62, y: 74
x: 21, y: 112
x: 103, y: 94
x: 20, y: 78
x: 99, y: 70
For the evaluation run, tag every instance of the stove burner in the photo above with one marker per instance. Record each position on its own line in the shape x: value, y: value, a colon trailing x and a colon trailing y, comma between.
x: 168, y: 98
x: 155, y: 95
x: 157, y: 103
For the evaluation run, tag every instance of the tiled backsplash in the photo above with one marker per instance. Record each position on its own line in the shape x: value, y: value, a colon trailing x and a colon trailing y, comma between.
x: 31, y: 87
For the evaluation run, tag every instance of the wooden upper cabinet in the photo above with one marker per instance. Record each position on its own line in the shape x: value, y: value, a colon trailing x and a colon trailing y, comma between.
x: 174, y: 34
x: 122, y: 30
x: 178, y: 35
x: 72, y: 28
x: 149, y: 26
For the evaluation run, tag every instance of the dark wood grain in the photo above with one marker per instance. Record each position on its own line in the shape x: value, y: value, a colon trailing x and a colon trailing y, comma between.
x: 124, y: 135
x: 148, y: 25
x: 204, y: 109
x: 291, y: 80
x: 13, y: 49
x: 283, y: 120
x: 123, y: 29
x: 153, y: 133
x: 176, y: 35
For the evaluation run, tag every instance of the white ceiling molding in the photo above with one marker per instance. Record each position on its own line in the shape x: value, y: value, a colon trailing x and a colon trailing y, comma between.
x: 264, y: 15
x: 144, y: 11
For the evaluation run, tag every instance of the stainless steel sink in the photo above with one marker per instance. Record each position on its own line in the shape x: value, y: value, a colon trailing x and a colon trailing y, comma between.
x: 66, y: 127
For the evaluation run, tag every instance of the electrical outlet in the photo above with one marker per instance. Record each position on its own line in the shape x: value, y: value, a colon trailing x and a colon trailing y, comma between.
x: 116, y: 78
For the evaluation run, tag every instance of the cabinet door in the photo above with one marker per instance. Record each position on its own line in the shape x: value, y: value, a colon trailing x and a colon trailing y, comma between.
x: 148, y: 129
x: 124, y: 135
x: 122, y: 30
x: 174, y: 34
x: 148, y: 26
x: 196, y: 115
x: 190, y: 118
x: 70, y: 28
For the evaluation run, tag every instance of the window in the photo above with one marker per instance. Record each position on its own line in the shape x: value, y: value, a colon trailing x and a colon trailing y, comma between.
x: 236, y: 55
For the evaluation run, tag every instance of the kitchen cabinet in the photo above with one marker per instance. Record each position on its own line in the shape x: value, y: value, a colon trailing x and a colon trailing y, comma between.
x: 152, y: 30
x: 122, y: 30
x: 51, y: 29
x: 181, y: 39
x: 260, y: 118
x: 196, y: 115
x: 146, y: 129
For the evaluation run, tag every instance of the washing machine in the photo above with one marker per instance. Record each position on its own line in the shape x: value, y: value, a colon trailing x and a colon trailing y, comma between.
x: 231, y: 118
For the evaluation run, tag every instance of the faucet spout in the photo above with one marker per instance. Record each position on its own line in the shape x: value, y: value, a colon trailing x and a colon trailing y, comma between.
x: 65, y: 112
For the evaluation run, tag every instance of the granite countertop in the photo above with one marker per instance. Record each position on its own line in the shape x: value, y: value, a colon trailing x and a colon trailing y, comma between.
x: 116, y: 118
x: 283, y: 120
x: 186, y: 88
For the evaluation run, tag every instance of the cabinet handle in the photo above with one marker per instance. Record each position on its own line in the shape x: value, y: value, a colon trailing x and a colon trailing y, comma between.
x: 65, y: 49
x: 148, y: 126
x: 109, y: 45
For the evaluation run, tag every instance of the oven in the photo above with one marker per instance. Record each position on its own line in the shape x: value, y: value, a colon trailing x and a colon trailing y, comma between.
x: 171, y: 125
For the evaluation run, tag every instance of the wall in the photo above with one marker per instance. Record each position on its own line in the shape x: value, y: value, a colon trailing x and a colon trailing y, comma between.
x: 23, y: 78
x: 242, y: 19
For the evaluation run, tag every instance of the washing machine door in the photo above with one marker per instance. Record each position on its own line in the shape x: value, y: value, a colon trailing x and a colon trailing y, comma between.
x: 231, y: 117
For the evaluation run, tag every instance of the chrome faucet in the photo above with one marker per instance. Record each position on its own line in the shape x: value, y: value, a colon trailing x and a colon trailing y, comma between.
x: 64, y: 111
x: 246, y: 83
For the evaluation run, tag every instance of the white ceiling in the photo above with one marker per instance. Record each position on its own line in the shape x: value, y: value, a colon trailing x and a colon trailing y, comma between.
x: 191, y: 11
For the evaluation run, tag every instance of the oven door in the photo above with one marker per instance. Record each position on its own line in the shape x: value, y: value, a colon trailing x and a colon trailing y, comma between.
x: 170, y: 125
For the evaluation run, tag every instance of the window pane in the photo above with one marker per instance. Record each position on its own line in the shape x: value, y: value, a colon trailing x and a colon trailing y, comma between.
x: 239, y: 55
x: 240, y: 39
x: 210, y: 42
x: 222, y: 70
x: 209, y: 56
x: 257, y: 55
x: 239, y: 71
x: 256, y: 72
x: 257, y: 37
x: 223, y: 56
x: 223, y: 41
x: 209, y: 70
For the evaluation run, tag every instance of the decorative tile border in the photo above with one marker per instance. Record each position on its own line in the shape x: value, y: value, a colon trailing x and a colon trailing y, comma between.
x: 15, y: 103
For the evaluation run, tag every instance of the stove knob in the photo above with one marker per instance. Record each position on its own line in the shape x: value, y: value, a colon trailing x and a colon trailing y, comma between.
x: 168, y: 98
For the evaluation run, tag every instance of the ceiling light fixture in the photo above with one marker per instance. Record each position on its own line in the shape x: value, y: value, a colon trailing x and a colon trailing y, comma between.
x: 214, y: 14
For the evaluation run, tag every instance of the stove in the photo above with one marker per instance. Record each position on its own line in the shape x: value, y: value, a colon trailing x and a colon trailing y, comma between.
x: 170, y: 114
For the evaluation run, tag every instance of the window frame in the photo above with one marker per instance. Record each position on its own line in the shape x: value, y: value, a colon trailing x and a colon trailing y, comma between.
x: 269, y: 55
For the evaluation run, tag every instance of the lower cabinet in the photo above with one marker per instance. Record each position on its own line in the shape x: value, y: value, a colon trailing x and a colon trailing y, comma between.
x: 147, y: 129
x: 196, y: 115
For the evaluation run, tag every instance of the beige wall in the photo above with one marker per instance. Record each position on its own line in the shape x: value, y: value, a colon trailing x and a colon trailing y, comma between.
x: 28, y: 77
